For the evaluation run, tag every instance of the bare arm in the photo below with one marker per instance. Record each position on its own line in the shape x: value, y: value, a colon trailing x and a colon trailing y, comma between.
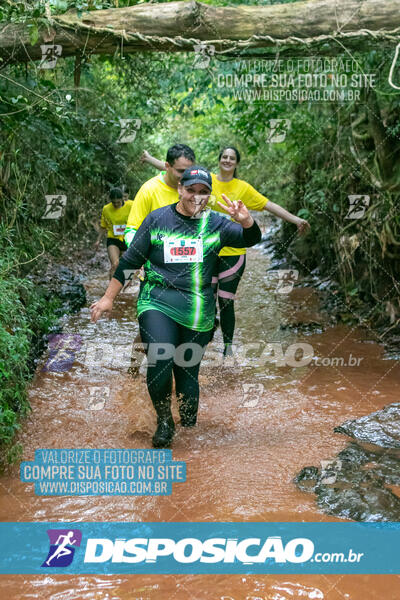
x: 302, y: 225
x: 151, y: 160
x: 133, y: 258
x: 101, y: 232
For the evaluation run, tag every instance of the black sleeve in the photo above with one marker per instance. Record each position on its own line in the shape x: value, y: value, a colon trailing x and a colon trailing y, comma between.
x: 236, y: 236
x: 137, y: 253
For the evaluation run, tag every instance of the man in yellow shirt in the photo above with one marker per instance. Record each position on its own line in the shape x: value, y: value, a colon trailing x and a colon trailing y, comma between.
x: 161, y: 190
x: 114, y: 217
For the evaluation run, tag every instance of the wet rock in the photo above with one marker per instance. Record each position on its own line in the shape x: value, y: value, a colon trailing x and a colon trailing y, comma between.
x: 71, y: 291
x: 392, y: 346
x: 354, y: 454
x: 300, y: 327
x: 388, y: 467
x: 383, y: 463
x: 60, y: 281
x: 353, y: 485
x: 381, y: 428
x: 278, y: 264
x: 324, y: 284
x: 307, y: 479
x: 359, y: 496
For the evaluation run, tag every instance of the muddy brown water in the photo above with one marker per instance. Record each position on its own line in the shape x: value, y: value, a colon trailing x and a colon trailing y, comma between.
x: 259, y: 425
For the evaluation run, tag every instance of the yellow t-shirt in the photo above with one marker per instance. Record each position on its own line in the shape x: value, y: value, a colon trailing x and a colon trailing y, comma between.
x: 236, y: 189
x: 154, y: 193
x: 114, y: 219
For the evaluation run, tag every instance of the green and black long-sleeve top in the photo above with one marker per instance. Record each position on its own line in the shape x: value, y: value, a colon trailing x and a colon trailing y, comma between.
x: 179, y: 254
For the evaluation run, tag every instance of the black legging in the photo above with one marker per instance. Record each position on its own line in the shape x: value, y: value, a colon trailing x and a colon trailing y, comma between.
x: 230, y: 271
x: 156, y: 328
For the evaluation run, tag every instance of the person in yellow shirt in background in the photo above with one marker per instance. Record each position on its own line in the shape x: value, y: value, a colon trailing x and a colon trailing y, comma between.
x: 232, y: 261
x: 161, y: 190
x: 114, y: 217
x: 157, y: 192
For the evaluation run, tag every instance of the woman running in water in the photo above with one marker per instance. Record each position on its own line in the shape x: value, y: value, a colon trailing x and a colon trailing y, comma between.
x: 232, y: 260
x: 178, y: 245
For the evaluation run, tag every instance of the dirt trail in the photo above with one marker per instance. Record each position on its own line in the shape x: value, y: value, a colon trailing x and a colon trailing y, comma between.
x: 249, y: 444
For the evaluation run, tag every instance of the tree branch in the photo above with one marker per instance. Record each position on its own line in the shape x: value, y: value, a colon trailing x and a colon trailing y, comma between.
x: 178, y: 26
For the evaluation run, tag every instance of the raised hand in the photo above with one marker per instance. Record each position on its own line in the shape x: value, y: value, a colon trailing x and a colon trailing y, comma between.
x: 237, y: 210
x: 145, y: 156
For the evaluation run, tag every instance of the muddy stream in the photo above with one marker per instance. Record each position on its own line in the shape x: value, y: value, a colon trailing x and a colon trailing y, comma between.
x: 259, y: 425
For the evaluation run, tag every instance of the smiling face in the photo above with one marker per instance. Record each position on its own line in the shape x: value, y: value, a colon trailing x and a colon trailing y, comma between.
x: 117, y: 202
x: 193, y: 198
x: 228, y: 161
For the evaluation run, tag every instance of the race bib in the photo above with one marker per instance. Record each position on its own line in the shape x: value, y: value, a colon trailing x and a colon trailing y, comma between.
x: 183, y: 251
x: 119, y: 229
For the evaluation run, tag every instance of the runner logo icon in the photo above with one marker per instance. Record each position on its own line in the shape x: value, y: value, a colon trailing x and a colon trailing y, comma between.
x: 62, y: 550
x: 62, y: 350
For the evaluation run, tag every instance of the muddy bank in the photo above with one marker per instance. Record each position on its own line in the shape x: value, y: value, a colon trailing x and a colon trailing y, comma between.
x: 359, y: 482
x: 60, y: 281
x: 337, y: 304
x: 65, y: 294
x: 63, y: 280
x: 32, y: 311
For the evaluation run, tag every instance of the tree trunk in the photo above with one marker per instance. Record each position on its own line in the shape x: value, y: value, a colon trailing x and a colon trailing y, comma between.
x: 178, y: 26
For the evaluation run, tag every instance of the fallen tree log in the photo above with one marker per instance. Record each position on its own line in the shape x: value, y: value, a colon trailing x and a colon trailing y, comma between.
x: 319, y: 25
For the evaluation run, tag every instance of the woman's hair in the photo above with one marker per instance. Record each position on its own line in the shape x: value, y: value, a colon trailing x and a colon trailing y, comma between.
x: 236, y: 151
x: 115, y: 193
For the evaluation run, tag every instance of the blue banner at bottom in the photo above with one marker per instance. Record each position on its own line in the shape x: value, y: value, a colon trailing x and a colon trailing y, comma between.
x: 200, y: 548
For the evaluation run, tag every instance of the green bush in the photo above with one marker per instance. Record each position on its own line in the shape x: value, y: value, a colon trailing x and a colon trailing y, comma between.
x: 25, y: 317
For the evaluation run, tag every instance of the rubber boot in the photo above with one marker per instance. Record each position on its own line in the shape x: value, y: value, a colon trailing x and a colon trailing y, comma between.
x: 164, y: 433
x: 188, y: 412
x: 228, y: 349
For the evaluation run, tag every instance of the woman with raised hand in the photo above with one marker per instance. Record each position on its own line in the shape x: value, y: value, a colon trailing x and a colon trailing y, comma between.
x: 178, y: 245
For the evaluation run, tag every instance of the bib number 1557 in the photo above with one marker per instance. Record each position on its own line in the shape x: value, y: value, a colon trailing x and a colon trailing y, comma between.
x: 183, y: 251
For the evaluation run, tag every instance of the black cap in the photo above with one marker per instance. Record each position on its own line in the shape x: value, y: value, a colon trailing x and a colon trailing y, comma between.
x: 196, y: 174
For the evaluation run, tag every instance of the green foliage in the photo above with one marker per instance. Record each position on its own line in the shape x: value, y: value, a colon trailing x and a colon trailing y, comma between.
x: 311, y: 173
x: 56, y: 139
x: 25, y: 316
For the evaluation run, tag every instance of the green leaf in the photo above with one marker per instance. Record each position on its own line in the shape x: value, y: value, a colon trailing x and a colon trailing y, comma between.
x: 303, y: 213
x: 47, y: 83
x: 33, y: 34
x: 353, y: 292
